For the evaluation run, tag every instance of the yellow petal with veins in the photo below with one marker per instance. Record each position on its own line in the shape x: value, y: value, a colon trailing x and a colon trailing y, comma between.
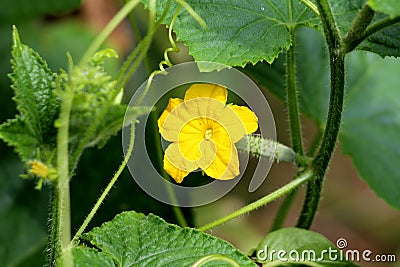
x: 190, y: 137
x: 232, y: 123
x: 175, y: 173
x: 174, y: 161
x: 248, y: 118
x: 207, y: 90
x: 207, y: 149
x: 225, y: 166
x: 162, y: 127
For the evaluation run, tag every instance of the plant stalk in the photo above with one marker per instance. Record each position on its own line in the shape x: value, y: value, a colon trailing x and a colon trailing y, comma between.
x: 63, y: 194
x: 324, y: 153
x: 291, y: 99
x: 289, y: 187
x: 108, y: 188
x: 54, y: 248
x: 295, y: 129
x: 358, y: 27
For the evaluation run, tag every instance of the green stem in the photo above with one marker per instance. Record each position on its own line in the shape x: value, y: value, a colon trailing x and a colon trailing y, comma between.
x: 380, y: 25
x: 140, y: 52
x: 352, y: 43
x: 139, y: 38
x: 358, y: 27
x: 63, y: 199
x: 116, y: 20
x: 291, y: 98
x: 54, y: 249
x: 311, y: 6
x: 110, y: 185
x: 295, y: 129
x: 321, y: 160
x: 289, y: 187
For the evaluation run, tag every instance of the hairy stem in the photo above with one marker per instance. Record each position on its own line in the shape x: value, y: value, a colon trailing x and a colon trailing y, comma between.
x: 63, y: 199
x: 54, y: 248
x: 358, y: 27
x: 291, y: 99
x: 289, y: 187
x: 107, y: 190
x: 380, y: 25
x: 295, y: 129
x: 325, y: 151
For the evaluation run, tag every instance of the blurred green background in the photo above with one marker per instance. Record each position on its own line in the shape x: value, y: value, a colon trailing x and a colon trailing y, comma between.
x: 349, y: 209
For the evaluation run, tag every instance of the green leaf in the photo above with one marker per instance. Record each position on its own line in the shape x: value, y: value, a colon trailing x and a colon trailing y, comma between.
x: 389, y: 7
x: 87, y: 257
x: 299, y: 244
x: 33, y: 83
x: 132, y: 239
x: 239, y: 31
x: 14, y: 133
x: 13, y: 10
x: 371, y: 123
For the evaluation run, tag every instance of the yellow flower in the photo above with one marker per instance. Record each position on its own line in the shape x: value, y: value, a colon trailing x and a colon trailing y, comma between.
x: 203, y: 130
x: 39, y: 169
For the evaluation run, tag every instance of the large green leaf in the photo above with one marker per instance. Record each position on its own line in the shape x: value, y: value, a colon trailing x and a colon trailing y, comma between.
x: 132, y: 239
x: 371, y: 119
x: 300, y: 246
x: 371, y: 123
x: 13, y: 10
x: 389, y: 7
x: 239, y: 31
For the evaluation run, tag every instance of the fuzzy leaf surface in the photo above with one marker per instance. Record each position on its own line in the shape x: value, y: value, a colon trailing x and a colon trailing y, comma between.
x: 132, y: 239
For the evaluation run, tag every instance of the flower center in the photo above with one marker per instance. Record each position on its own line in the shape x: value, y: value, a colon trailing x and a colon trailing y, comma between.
x: 208, y: 134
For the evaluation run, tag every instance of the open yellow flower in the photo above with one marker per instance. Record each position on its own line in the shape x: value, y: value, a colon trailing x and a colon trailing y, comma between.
x: 203, y: 130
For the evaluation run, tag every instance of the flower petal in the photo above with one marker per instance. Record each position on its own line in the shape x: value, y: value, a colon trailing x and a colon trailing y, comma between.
x: 174, y: 172
x: 207, y: 90
x: 190, y: 138
x: 248, y: 118
x: 208, y: 153
x: 162, y: 127
x: 232, y: 123
x: 176, y: 164
x: 225, y: 165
